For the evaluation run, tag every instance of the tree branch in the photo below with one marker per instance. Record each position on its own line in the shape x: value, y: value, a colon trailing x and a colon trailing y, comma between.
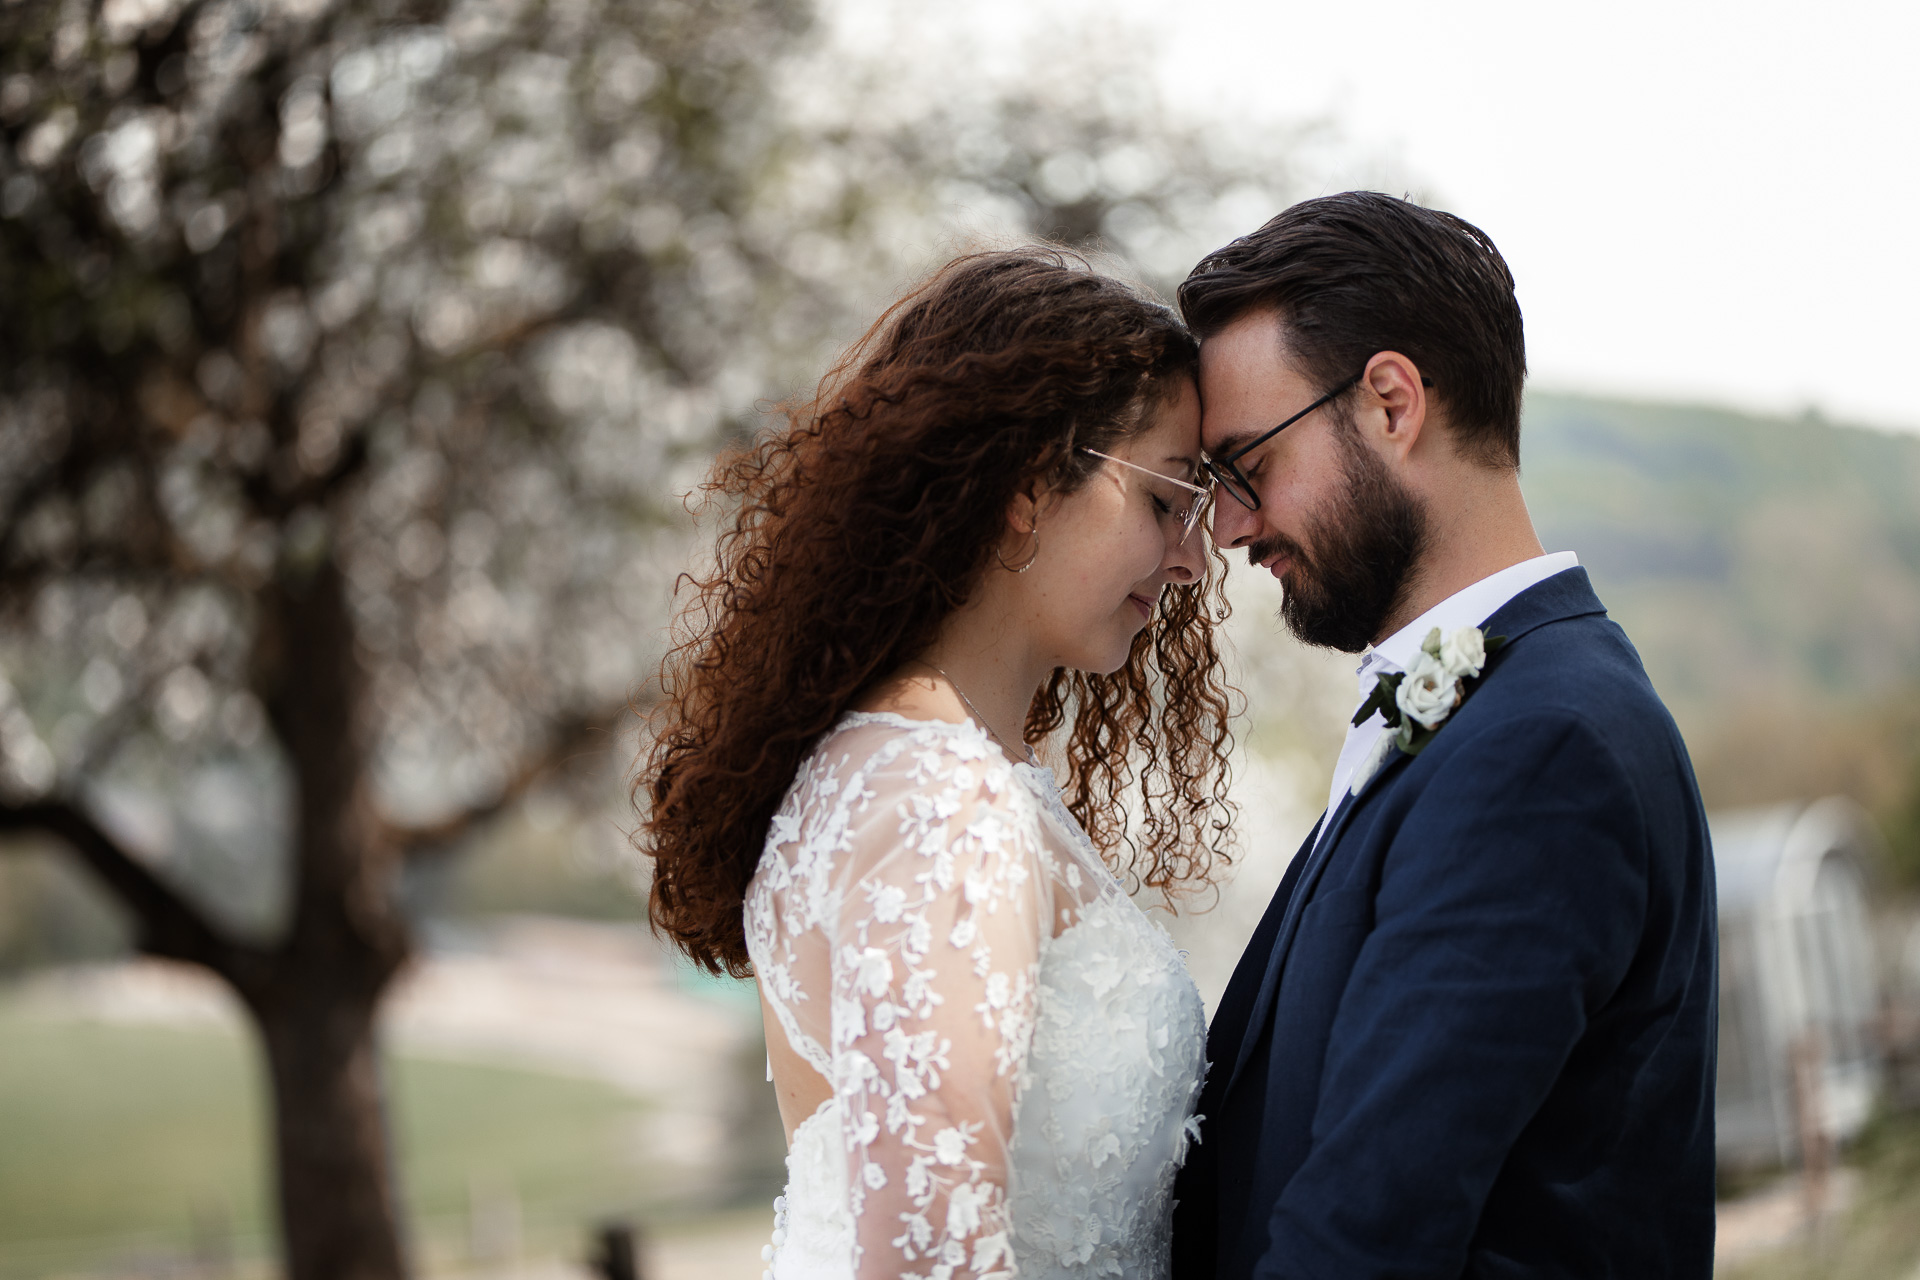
x: 168, y: 924
x: 571, y: 740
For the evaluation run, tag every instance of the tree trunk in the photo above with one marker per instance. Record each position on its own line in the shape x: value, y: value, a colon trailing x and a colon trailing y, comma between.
x: 338, y: 1202
x: 347, y: 938
x: 314, y: 993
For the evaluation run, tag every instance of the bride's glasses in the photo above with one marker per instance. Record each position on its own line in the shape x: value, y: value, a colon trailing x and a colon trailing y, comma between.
x: 1177, y: 501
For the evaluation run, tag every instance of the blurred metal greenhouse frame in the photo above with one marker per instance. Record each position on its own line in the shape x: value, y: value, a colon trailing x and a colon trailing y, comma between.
x: 1801, y: 1059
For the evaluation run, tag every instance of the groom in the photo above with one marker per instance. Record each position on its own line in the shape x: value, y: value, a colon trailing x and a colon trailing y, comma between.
x: 1474, y: 1033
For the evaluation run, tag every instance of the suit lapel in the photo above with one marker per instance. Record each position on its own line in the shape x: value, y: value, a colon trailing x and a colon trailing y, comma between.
x: 1321, y: 854
x: 1228, y: 1027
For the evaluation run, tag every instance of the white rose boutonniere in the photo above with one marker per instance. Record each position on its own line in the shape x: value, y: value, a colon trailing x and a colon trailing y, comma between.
x: 1417, y: 701
x: 1428, y: 692
x: 1462, y: 654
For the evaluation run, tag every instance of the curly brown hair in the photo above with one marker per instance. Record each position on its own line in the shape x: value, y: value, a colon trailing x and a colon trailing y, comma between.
x: 856, y: 530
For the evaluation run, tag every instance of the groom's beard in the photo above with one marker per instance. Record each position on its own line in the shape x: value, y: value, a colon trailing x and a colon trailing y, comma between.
x: 1364, y: 547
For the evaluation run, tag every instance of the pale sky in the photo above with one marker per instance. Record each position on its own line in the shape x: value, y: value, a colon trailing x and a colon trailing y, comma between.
x: 1699, y: 200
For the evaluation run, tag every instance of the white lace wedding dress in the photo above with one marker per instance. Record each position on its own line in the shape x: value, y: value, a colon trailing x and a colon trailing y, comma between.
x: 1014, y: 1048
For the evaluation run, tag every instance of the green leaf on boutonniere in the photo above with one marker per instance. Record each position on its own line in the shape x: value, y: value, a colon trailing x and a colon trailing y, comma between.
x: 1414, y: 736
x: 1382, y: 700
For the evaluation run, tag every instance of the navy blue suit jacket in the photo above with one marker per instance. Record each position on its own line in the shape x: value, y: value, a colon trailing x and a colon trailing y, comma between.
x: 1475, y: 1033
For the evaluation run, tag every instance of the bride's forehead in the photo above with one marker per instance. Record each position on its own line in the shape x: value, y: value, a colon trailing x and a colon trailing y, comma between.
x: 1171, y: 431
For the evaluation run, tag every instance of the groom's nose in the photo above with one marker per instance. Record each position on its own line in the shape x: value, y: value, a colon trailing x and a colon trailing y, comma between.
x: 1233, y: 524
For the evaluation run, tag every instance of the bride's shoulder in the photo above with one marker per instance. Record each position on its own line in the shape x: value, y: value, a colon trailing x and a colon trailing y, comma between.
x: 911, y: 750
x: 935, y: 768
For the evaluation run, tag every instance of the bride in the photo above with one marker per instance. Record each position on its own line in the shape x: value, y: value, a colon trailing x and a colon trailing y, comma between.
x: 981, y: 530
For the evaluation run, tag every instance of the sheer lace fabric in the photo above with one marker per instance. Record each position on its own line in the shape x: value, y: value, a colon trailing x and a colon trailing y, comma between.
x: 1014, y: 1049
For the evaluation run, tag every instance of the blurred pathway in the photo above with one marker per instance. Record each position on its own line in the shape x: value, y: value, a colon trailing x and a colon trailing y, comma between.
x: 1774, y: 1217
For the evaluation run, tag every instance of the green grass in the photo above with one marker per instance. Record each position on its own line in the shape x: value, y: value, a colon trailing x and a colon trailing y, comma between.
x: 119, y: 1142
x: 569, y: 1149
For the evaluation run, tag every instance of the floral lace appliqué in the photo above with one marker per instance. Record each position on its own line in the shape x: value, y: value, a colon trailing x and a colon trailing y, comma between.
x: 1014, y: 1049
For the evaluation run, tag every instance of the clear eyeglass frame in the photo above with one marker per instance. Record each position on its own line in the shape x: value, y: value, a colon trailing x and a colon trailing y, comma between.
x: 1186, y: 503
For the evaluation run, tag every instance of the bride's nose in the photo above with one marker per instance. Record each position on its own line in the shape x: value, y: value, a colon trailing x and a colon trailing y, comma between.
x: 1186, y: 561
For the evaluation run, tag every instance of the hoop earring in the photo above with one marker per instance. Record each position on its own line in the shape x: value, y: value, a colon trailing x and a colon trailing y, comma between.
x: 1024, y: 565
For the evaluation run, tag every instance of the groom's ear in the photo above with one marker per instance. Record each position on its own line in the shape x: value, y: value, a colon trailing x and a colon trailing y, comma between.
x: 1393, y: 404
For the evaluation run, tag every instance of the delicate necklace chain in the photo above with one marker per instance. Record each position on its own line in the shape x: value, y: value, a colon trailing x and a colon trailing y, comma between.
x: 975, y: 711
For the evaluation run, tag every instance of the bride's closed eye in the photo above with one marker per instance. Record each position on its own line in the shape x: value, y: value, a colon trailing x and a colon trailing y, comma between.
x: 1166, y: 498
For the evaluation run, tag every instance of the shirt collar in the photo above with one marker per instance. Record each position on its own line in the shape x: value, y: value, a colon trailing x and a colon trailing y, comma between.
x: 1468, y: 607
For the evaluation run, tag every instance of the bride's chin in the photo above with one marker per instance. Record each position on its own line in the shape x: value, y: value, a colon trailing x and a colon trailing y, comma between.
x: 1107, y: 663
x: 1097, y: 655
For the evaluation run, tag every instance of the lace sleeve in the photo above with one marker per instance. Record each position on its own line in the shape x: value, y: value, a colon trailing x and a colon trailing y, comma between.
x: 935, y: 956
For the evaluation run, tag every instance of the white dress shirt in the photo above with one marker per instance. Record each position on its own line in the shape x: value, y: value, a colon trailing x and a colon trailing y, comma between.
x: 1468, y: 607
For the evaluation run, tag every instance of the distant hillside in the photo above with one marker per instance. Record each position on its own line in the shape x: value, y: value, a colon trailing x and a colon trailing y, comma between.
x: 1769, y: 571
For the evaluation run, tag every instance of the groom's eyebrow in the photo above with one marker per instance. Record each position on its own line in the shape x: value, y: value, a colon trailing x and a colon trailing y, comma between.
x: 1231, y: 443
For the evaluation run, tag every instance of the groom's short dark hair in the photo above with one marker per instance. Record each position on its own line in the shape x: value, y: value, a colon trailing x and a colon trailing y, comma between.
x: 1360, y: 272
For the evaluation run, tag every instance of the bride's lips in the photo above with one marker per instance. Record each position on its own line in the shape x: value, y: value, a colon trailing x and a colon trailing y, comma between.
x: 1144, y: 605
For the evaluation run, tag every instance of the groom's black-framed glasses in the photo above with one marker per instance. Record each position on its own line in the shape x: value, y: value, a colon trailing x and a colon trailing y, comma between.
x: 1225, y: 469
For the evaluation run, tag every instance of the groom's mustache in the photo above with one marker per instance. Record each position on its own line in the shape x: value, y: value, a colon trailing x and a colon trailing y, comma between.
x: 1278, y: 544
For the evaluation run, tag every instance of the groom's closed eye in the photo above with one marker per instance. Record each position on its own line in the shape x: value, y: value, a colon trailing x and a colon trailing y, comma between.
x: 1230, y: 446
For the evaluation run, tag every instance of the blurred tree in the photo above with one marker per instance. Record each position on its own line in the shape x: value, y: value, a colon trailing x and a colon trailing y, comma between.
x: 327, y: 325
x: 354, y: 354
x: 929, y: 135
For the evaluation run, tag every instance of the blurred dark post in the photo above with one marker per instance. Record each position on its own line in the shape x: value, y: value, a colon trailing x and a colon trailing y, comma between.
x: 616, y: 1252
x: 1809, y: 1112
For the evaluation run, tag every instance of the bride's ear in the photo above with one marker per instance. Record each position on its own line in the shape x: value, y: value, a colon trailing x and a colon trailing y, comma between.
x: 1022, y: 511
x: 1030, y: 506
x: 1020, y: 540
